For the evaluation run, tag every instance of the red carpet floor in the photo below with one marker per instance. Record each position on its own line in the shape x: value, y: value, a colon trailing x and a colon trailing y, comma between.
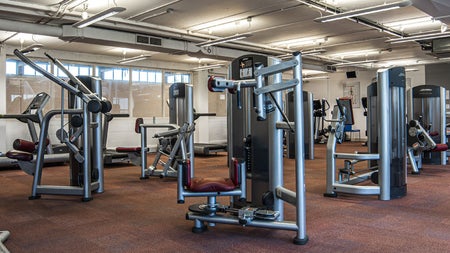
x: 135, y: 215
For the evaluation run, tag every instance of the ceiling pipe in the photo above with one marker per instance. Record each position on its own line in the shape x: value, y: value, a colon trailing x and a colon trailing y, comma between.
x: 128, y: 25
x: 144, y: 28
x: 22, y: 27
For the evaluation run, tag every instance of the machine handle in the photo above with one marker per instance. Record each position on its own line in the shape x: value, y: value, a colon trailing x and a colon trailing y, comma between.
x: 341, y: 108
x: 82, y: 92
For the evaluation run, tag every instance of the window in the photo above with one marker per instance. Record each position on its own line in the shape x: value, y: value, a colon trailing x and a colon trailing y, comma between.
x: 75, y: 69
x: 23, y: 83
x: 146, y: 76
x: 115, y: 87
x: 138, y: 91
x: 172, y: 77
x: 11, y: 67
x: 147, y: 93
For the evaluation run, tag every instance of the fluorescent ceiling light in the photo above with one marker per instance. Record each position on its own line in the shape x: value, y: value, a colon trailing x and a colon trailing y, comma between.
x: 306, y: 52
x: 411, y: 26
x: 99, y: 16
x: 133, y: 59
x: 314, y: 51
x: 400, y: 25
x: 31, y: 48
x: 168, y: 11
x: 214, y: 66
x: 153, y: 9
x: 306, y: 78
x: 355, y: 63
x: 364, y: 11
x: 300, y: 42
x: 224, y: 40
x: 353, y: 54
x: 428, y: 36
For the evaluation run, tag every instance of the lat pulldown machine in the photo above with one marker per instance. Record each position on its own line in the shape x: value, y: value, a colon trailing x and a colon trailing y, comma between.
x: 85, y: 133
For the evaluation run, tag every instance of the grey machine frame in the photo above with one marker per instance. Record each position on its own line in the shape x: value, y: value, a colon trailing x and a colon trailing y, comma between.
x: 184, y: 114
x: 428, y: 102
x: 387, y: 142
x: 273, y: 172
x: 91, y: 157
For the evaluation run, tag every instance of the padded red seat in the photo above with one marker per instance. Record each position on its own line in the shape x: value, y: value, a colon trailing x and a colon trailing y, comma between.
x: 128, y: 149
x: 434, y: 133
x: 19, y: 155
x: 440, y: 147
x: 212, y: 184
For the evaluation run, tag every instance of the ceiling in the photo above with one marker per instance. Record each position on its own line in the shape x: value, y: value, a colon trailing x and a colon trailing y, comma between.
x: 361, y: 41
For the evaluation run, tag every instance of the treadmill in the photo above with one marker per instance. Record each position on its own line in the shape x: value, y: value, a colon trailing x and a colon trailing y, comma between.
x: 207, y: 149
x: 31, y: 116
x: 111, y: 156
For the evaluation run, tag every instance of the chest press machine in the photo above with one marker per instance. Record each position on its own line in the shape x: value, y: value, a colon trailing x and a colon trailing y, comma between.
x: 266, y: 88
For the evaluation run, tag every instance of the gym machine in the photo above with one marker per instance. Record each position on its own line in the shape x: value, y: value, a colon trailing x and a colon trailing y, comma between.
x: 31, y: 116
x: 364, y: 105
x: 320, y: 108
x: 171, y: 143
x: 179, y: 97
x: 426, y: 103
x: 257, y: 81
x: 308, y: 115
x: 420, y: 141
x: 119, y: 154
x: 85, y: 108
x: 3, y: 237
x: 387, y: 142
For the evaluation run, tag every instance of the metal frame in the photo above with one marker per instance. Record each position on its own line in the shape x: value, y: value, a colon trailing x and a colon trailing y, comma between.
x: 383, y: 190
x: 181, y: 134
x: 3, y: 237
x: 181, y: 112
x: 281, y: 194
x: 438, y: 112
x: 91, y: 132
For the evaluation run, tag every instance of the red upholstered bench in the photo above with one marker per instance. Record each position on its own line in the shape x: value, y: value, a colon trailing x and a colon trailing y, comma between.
x: 23, y: 150
x: 137, y: 129
x: 19, y: 155
x: 134, y: 153
x: 128, y: 149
